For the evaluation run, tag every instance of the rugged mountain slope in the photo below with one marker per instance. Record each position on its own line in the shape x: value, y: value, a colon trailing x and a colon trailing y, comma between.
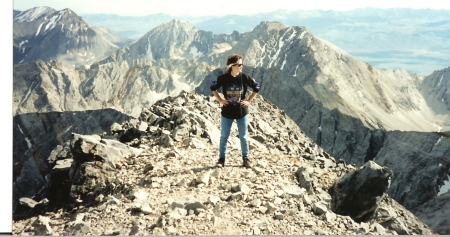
x: 380, y: 99
x: 51, y: 86
x: 112, y: 36
x: 46, y: 87
x: 436, y: 91
x: 169, y: 40
x: 175, y: 40
x: 42, y: 33
x: 163, y: 181
x: 436, y: 214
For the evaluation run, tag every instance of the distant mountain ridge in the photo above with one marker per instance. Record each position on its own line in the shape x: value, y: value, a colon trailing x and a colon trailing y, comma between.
x: 410, y: 39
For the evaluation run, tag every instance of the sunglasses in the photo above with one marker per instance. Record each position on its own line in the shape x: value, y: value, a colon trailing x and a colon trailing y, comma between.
x: 237, y: 64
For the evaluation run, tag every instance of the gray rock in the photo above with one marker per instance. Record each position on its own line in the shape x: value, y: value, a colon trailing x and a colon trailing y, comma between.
x: 359, y: 193
x: 42, y: 226
x: 319, y: 208
x: 294, y: 191
x: 166, y: 139
x: 255, y: 203
x: 81, y: 228
x: 214, y: 199
x: 305, y: 181
x: 143, y: 126
x: 188, y: 202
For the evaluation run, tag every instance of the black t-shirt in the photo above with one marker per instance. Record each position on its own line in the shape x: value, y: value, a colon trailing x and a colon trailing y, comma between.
x: 234, y: 90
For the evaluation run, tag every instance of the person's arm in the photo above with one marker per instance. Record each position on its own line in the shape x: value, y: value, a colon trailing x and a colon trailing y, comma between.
x: 252, y: 96
x: 246, y: 102
x: 214, y: 87
x: 255, y: 87
x: 217, y: 96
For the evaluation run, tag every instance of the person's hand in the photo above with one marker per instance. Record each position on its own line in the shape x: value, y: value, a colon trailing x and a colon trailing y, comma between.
x: 244, y: 102
x: 223, y: 102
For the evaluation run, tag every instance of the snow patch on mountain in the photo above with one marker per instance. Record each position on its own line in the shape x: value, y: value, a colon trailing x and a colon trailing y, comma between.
x: 26, y: 138
x: 446, y: 187
x: 195, y: 52
x: 220, y: 48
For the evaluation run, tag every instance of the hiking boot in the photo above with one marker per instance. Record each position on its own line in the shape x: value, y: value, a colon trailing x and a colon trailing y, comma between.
x: 246, y: 162
x: 221, y: 162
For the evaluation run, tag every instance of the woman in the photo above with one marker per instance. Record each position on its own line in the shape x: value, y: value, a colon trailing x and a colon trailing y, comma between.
x: 234, y: 85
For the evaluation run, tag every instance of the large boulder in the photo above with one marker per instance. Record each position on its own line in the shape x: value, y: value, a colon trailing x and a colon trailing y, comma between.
x: 95, y: 161
x: 36, y: 137
x: 358, y: 193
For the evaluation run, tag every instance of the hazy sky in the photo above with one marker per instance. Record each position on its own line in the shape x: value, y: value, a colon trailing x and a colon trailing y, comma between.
x: 222, y: 7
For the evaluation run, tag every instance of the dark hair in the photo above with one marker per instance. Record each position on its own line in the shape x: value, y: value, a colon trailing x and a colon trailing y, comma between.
x: 232, y: 59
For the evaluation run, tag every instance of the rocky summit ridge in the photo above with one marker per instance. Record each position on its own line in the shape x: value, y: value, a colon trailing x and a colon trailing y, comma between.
x: 156, y: 175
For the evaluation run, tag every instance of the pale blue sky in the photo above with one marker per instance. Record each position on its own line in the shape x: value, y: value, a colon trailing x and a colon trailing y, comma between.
x: 221, y: 7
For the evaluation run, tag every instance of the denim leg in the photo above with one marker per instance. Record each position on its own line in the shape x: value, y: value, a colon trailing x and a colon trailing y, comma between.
x: 242, y: 125
x: 225, y: 126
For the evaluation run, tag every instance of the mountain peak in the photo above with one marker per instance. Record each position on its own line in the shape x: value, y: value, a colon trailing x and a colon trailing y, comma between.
x: 174, y: 26
x: 175, y: 23
x: 33, y: 14
x: 74, y: 42
x: 271, y: 25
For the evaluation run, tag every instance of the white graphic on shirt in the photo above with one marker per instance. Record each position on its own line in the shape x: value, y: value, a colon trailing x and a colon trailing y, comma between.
x: 234, y: 94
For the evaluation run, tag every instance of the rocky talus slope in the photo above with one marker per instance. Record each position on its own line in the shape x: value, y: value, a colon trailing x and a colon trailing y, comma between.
x: 156, y: 175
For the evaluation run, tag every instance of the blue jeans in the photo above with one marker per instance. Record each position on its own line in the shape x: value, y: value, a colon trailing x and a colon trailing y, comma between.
x: 242, y: 125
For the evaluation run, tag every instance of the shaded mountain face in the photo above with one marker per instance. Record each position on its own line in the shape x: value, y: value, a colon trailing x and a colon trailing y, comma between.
x: 436, y: 91
x: 42, y: 33
x: 346, y: 106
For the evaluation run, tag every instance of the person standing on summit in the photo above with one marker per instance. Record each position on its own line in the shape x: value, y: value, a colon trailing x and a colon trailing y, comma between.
x: 234, y: 85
